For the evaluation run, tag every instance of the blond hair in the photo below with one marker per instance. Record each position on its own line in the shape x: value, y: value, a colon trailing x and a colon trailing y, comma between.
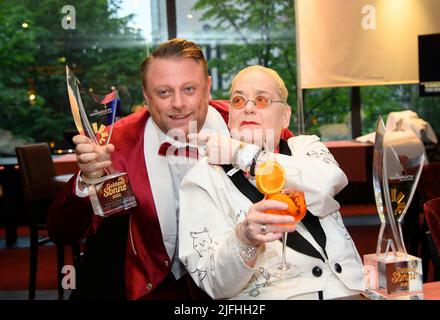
x: 282, y: 90
x: 178, y: 49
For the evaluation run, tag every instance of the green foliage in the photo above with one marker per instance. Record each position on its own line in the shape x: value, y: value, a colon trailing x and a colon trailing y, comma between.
x: 378, y: 101
x: 323, y: 106
x: 102, y: 51
x: 260, y: 27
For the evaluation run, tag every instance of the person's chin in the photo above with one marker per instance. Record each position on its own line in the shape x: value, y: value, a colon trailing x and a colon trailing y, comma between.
x: 247, y: 137
x: 178, y: 131
x: 252, y: 134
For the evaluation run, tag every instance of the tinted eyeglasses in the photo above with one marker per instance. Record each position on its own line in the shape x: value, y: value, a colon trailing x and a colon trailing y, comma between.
x: 260, y: 102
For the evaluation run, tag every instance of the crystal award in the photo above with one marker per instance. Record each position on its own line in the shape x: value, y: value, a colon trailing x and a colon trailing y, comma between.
x: 94, y: 116
x: 391, y: 273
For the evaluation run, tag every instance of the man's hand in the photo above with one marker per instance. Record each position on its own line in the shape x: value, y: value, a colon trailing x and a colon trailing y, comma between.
x: 219, y: 148
x: 92, y: 159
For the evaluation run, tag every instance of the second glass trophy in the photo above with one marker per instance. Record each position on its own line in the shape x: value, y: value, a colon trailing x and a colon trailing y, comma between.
x: 94, y: 116
x: 392, y: 273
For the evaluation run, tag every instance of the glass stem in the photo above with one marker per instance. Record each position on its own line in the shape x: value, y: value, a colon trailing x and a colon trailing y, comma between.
x: 283, y: 255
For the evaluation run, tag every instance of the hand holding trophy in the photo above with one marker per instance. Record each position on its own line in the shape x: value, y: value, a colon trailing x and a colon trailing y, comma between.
x: 109, y: 191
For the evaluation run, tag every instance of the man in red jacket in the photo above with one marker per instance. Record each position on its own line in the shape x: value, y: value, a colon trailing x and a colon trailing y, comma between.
x: 142, y: 241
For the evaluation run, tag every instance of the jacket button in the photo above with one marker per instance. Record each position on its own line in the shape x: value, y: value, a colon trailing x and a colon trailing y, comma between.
x: 338, y: 268
x: 167, y: 263
x: 149, y: 286
x: 317, y: 271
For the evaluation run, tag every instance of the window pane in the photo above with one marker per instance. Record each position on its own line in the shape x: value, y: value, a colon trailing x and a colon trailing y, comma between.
x: 236, y: 34
x: 104, y: 43
x: 158, y: 21
x: 107, y: 40
x: 327, y: 113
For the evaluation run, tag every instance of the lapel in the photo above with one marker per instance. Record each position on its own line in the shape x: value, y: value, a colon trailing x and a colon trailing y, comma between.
x: 129, y: 137
x: 242, y: 184
x: 151, y: 183
x: 160, y: 181
x: 294, y: 239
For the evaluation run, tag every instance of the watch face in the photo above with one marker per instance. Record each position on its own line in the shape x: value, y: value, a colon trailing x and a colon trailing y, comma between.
x: 247, y: 155
x: 247, y: 152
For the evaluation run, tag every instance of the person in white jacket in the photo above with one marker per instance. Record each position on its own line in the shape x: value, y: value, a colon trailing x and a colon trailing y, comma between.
x: 227, y: 242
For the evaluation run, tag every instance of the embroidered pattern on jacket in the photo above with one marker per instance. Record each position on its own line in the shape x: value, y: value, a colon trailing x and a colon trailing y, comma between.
x: 337, y: 216
x: 202, y: 244
x: 356, y: 255
x: 241, y: 215
x: 338, y: 219
x: 201, y: 274
x: 340, y: 223
x: 260, y: 279
x: 323, y: 155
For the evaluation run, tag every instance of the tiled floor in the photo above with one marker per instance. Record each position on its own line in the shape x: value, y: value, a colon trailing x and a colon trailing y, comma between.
x: 22, y: 242
x: 40, y: 295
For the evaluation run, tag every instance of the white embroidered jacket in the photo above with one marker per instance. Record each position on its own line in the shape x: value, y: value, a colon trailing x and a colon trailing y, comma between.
x: 211, y: 206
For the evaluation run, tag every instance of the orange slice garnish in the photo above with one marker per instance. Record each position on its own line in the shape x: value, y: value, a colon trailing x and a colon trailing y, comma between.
x: 270, y: 177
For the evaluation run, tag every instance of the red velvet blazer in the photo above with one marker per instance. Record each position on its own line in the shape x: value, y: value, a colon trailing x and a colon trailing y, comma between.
x: 71, y: 218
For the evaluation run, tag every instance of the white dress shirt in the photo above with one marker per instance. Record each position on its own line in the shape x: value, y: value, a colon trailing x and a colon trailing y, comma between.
x: 163, y: 171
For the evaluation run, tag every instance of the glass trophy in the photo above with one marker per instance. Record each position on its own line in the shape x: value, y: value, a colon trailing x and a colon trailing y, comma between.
x: 391, y: 273
x: 94, y: 116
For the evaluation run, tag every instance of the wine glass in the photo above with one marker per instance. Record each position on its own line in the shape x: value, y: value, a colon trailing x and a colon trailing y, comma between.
x: 293, y: 195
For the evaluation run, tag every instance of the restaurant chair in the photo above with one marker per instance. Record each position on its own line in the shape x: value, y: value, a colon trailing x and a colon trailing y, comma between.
x: 428, y: 189
x: 432, y: 215
x: 40, y: 184
x: 429, y: 186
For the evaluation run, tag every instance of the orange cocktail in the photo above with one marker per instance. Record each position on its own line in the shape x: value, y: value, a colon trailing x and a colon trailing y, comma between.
x: 296, y: 203
x: 277, y: 184
x: 271, y: 180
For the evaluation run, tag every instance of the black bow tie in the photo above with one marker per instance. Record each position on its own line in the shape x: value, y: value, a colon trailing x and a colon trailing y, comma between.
x: 167, y: 148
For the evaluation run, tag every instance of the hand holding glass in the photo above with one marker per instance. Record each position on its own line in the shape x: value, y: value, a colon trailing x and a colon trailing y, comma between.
x: 283, y: 184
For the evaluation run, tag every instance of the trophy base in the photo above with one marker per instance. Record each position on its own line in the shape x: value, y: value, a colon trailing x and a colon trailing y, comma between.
x: 112, y: 195
x: 376, y: 295
x: 393, y: 277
